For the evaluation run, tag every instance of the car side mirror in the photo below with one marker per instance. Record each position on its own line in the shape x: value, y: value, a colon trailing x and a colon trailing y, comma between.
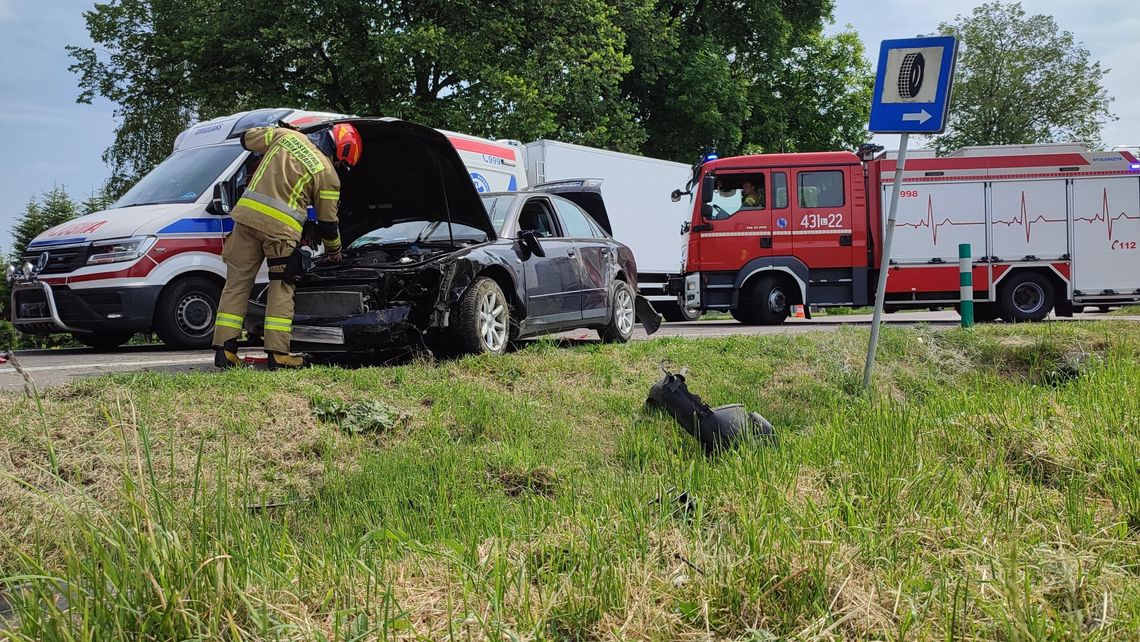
x: 222, y: 201
x: 708, y: 186
x: 706, y: 210
x: 676, y: 195
x: 530, y: 242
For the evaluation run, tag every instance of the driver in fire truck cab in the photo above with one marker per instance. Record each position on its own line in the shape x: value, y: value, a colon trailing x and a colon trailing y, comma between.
x: 751, y: 194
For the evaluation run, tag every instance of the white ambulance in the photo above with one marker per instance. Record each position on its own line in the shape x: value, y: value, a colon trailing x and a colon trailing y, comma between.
x: 152, y: 262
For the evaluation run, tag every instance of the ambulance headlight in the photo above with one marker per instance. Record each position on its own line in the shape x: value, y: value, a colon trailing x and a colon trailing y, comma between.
x: 29, y: 270
x: 116, y: 250
x: 10, y: 273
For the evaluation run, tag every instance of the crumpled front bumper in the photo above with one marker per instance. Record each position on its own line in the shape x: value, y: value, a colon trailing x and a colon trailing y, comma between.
x: 389, y: 328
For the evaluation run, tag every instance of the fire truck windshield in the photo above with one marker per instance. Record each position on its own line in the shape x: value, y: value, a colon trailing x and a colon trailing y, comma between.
x: 182, y: 177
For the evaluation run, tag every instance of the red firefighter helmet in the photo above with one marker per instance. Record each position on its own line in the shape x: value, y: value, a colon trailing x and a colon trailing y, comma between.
x: 348, y: 144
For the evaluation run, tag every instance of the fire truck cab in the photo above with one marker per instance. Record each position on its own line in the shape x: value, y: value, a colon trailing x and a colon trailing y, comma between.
x: 1050, y: 228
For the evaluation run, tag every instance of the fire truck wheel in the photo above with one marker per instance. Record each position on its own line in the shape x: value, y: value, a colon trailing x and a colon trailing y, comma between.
x: 770, y: 301
x: 184, y: 316
x: 1026, y: 296
x: 986, y: 312
x: 675, y: 312
x: 743, y: 315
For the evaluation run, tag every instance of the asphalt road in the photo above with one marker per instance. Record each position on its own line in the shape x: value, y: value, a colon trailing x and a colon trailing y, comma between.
x: 55, y: 367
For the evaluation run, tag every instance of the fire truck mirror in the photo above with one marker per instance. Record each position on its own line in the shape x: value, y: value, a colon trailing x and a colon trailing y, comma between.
x: 708, y: 186
x: 706, y: 210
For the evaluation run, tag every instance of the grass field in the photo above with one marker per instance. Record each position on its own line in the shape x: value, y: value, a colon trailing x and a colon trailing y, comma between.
x: 988, y: 489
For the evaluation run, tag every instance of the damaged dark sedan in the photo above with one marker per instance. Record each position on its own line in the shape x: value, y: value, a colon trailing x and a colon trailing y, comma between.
x: 430, y: 263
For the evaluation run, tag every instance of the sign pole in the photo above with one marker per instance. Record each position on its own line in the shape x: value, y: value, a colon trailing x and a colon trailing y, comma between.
x: 885, y: 262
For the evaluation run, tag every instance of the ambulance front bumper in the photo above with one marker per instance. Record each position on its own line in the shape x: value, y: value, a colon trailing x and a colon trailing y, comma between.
x: 40, y: 308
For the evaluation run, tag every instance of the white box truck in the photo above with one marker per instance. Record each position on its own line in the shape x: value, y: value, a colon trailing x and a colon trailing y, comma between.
x: 636, y: 191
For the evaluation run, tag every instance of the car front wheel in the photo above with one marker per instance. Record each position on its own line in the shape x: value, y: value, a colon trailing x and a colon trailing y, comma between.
x: 622, y: 315
x: 484, y: 319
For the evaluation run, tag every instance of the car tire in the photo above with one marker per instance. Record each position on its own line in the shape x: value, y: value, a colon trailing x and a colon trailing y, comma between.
x: 184, y: 316
x: 104, y: 341
x: 483, y: 322
x: 623, y: 315
x: 770, y: 302
x: 1104, y: 308
x: 677, y: 313
x: 1026, y: 296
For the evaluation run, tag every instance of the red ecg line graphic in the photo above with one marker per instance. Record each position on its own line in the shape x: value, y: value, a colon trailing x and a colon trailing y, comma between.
x: 1024, y: 220
x: 932, y: 225
x: 1104, y: 217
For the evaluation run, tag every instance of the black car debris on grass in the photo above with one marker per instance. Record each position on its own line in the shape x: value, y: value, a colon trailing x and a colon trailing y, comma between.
x: 432, y: 264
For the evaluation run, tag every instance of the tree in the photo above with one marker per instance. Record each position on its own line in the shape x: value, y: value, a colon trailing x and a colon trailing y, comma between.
x: 743, y: 76
x: 513, y: 68
x: 664, y: 78
x: 1021, y: 80
x: 52, y: 208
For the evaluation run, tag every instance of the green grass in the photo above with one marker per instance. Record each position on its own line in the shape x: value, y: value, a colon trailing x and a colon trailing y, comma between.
x: 988, y: 489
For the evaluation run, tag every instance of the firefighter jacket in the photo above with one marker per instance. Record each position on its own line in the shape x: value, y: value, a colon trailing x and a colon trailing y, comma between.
x: 293, y: 175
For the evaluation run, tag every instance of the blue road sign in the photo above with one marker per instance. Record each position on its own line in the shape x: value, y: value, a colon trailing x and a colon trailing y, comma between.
x: 912, y: 88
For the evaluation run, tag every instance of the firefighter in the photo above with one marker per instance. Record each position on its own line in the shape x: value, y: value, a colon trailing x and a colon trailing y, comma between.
x: 296, y: 171
x: 749, y: 196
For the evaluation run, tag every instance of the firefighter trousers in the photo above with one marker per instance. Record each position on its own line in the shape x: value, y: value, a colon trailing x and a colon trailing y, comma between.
x: 245, y: 250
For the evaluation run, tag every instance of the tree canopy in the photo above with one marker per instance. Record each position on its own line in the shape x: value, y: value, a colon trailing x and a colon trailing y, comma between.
x: 650, y: 76
x: 1021, y: 79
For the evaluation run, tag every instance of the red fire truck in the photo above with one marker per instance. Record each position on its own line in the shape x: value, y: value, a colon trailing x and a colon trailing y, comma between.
x: 1051, y: 227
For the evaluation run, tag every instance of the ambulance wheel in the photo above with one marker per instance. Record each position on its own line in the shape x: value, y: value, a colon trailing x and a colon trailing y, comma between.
x: 677, y: 313
x: 1104, y: 308
x: 770, y: 302
x: 1026, y: 296
x: 184, y: 316
x: 104, y: 341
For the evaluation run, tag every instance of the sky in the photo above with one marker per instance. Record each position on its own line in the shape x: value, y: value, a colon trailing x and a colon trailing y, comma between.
x: 48, y: 139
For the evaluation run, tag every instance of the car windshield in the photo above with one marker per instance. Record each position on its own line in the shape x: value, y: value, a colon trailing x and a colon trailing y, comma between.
x: 182, y: 177
x: 419, y: 232
x: 497, y: 207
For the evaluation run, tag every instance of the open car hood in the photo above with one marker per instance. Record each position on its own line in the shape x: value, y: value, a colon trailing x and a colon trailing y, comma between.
x: 407, y: 172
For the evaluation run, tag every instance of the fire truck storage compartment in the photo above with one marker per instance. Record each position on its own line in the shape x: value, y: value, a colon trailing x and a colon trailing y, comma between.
x: 1106, y: 229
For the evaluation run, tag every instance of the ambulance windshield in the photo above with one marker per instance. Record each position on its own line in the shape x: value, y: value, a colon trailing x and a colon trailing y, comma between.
x: 182, y: 177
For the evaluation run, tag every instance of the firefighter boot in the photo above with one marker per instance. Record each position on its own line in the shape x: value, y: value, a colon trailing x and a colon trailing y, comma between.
x: 280, y: 361
x: 225, y: 355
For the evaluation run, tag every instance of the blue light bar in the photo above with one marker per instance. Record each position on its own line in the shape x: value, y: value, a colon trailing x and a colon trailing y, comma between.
x: 1134, y: 166
x: 712, y: 157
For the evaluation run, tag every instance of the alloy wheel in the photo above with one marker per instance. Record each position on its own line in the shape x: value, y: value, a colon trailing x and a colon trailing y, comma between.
x: 623, y: 311
x: 492, y: 321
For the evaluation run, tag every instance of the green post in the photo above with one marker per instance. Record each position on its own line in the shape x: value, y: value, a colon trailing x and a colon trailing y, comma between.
x: 966, y: 284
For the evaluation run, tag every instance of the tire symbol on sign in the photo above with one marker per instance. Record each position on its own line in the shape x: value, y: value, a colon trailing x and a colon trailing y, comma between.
x: 911, y: 74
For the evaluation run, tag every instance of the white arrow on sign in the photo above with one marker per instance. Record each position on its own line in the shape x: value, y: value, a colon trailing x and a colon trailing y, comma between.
x: 921, y: 117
